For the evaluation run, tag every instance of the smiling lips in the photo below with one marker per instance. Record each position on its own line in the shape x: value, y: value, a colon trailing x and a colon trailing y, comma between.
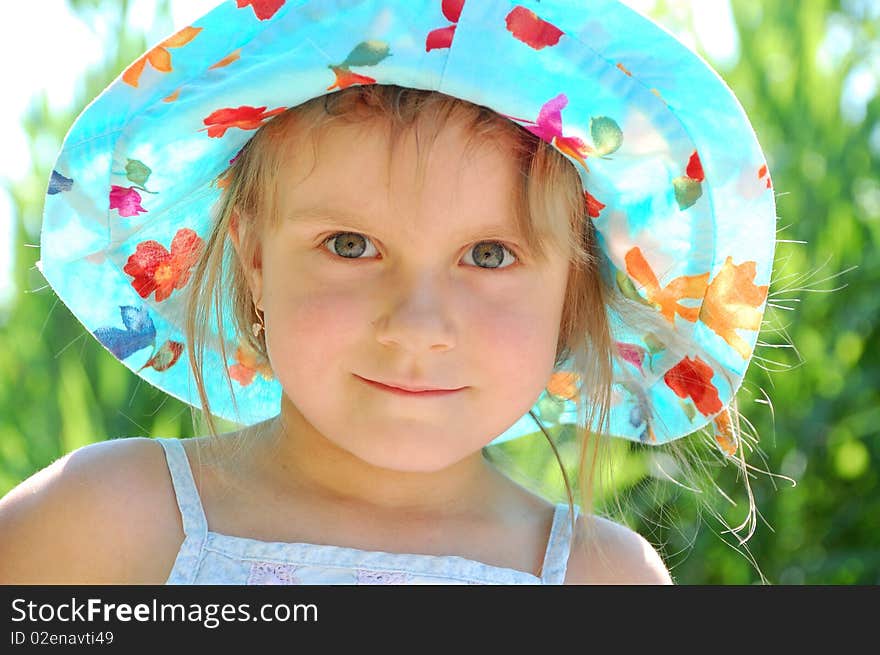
x: 410, y: 391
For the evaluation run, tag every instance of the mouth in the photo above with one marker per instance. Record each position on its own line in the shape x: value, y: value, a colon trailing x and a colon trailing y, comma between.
x: 411, y: 392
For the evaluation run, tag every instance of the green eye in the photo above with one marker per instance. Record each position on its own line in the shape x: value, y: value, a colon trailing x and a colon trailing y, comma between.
x: 485, y: 254
x: 350, y: 245
x: 490, y: 254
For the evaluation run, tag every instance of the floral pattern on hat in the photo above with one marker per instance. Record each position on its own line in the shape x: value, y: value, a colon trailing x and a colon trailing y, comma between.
x: 684, y: 212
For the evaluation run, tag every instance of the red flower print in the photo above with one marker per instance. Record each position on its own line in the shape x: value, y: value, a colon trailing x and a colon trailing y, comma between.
x: 155, y: 269
x: 345, y: 78
x: 244, y: 118
x: 165, y: 357
x: 125, y: 200
x: 525, y: 25
x: 692, y: 378
x: 442, y: 37
x: 695, y: 168
x: 439, y: 38
x: 263, y: 9
x: 593, y: 205
x: 452, y: 9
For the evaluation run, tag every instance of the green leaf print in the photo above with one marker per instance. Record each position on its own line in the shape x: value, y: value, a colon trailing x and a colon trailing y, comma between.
x: 137, y: 172
x: 687, y: 191
x: 607, y: 135
x: 367, y: 53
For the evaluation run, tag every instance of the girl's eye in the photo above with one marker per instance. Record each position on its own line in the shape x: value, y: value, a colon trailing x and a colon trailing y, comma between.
x: 350, y: 245
x: 490, y: 254
x: 486, y: 254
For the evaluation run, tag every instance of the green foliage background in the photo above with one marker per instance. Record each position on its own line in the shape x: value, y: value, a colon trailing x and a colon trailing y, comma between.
x: 59, y: 389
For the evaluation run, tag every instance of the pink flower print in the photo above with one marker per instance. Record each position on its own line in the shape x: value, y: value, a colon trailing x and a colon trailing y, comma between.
x: 631, y: 353
x: 549, y: 128
x: 269, y: 573
x: 382, y: 577
x: 125, y: 200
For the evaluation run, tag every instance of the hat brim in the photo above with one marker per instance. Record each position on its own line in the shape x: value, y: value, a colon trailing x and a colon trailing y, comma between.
x: 674, y: 178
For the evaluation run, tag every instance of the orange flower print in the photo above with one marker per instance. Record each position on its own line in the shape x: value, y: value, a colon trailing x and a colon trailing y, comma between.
x: 593, y: 205
x: 365, y: 53
x: 345, y: 78
x: 762, y: 173
x: 732, y: 301
x: 692, y: 378
x: 233, y: 56
x: 442, y: 37
x: 525, y: 26
x: 564, y: 385
x: 666, y: 299
x: 263, y: 9
x: 155, y: 269
x: 248, y: 364
x: 159, y: 57
x: 724, y: 435
x: 244, y: 118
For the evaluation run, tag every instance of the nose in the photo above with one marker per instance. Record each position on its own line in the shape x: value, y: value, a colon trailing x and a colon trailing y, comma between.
x: 417, y: 318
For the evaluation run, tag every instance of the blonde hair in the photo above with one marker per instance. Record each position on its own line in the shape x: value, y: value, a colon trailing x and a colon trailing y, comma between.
x: 550, y: 206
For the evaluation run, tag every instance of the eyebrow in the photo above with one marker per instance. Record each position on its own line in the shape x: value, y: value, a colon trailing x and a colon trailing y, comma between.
x: 326, y: 216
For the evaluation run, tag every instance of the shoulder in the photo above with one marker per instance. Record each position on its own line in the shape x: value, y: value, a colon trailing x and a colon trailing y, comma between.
x: 102, y: 514
x: 605, y: 552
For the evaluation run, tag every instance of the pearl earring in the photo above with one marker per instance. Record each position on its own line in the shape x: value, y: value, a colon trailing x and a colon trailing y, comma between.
x: 256, y: 328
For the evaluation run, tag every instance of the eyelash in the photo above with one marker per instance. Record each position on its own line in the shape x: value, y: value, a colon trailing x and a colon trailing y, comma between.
x: 506, y: 247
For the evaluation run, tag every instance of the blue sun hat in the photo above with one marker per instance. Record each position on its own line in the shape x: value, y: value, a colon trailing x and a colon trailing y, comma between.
x: 674, y: 181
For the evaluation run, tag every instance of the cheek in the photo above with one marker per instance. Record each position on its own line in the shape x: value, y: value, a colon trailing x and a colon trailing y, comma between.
x: 513, y: 337
x: 307, y: 332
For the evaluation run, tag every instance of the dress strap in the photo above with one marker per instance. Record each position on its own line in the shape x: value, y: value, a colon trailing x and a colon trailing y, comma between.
x: 558, y: 546
x: 191, y: 511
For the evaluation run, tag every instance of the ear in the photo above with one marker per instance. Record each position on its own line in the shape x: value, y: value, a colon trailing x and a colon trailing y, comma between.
x: 244, y: 237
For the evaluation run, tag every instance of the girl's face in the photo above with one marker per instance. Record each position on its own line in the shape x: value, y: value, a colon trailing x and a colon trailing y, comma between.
x: 371, y: 280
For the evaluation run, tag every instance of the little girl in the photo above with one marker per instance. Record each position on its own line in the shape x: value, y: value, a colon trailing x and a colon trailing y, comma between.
x: 387, y: 235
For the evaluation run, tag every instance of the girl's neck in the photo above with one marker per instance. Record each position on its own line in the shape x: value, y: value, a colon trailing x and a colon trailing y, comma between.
x: 296, y: 459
